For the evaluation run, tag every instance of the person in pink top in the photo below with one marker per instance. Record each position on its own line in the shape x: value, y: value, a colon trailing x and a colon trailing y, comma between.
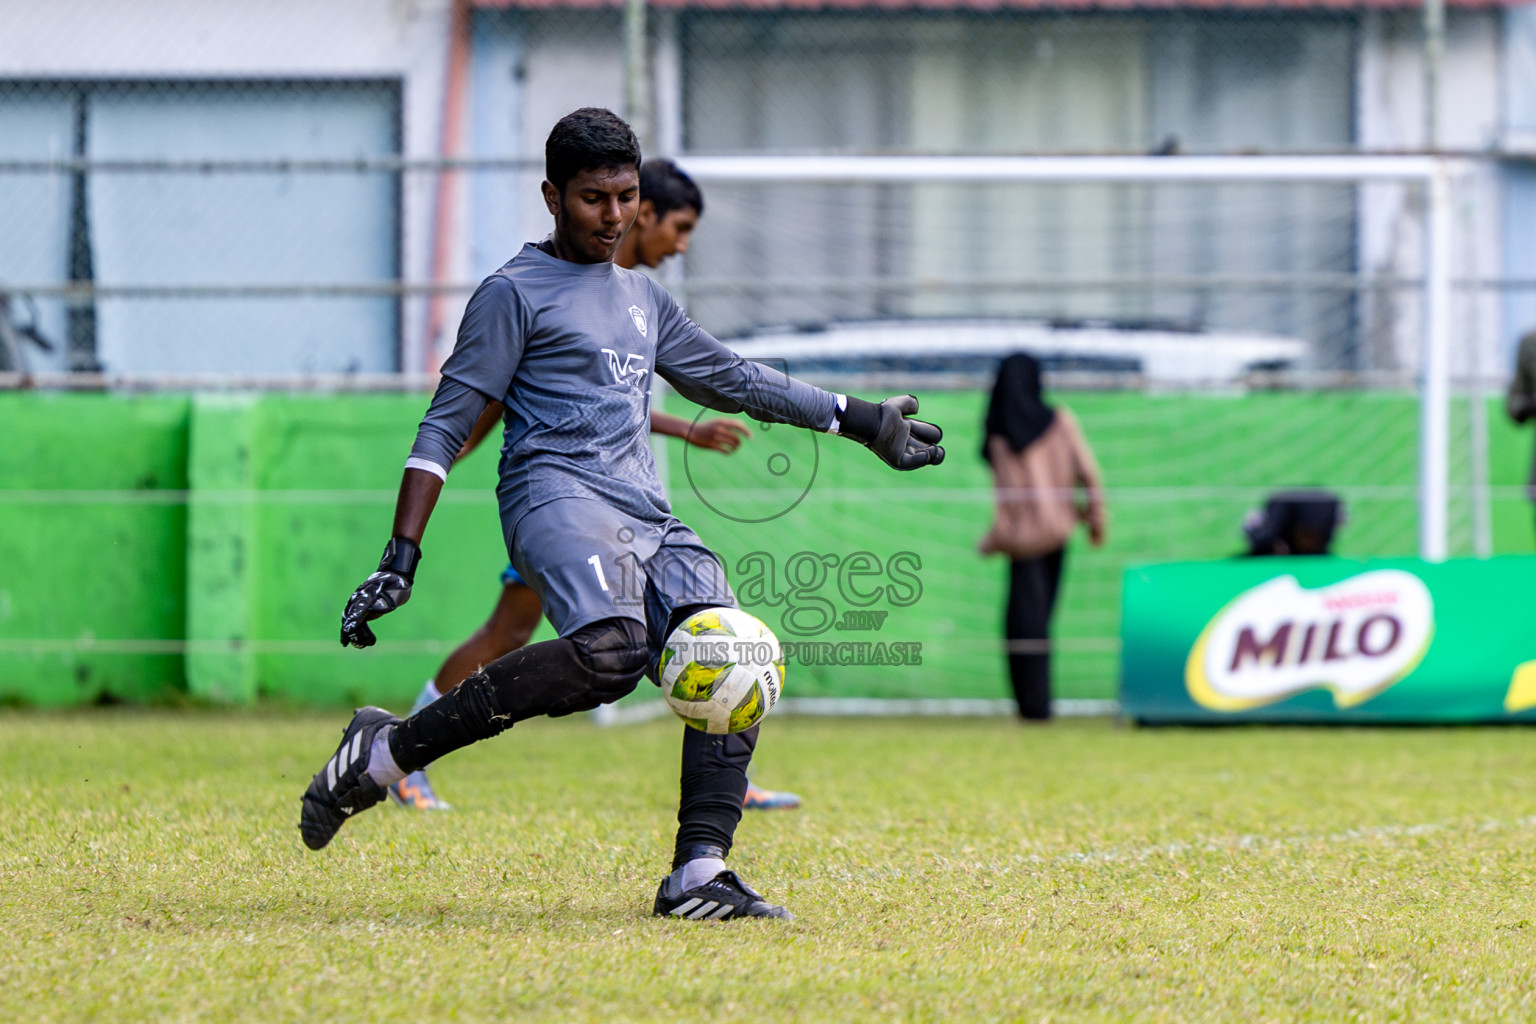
x: 1046, y: 482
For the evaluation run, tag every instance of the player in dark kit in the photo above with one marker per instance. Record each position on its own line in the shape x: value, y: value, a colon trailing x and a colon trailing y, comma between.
x: 564, y: 338
x: 670, y: 208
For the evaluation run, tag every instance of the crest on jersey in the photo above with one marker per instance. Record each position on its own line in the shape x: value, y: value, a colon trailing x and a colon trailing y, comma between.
x: 638, y: 316
x: 624, y: 370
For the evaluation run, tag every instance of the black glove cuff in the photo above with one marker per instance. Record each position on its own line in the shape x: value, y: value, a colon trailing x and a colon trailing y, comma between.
x: 401, y: 555
x: 860, y: 420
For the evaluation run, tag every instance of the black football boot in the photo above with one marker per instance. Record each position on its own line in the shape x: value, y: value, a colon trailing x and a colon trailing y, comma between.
x: 343, y: 786
x: 721, y: 898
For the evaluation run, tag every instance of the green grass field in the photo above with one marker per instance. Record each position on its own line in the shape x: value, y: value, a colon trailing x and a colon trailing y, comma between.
x: 941, y: 870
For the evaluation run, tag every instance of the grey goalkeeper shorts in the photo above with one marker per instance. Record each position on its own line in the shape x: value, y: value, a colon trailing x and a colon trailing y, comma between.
x: 588, y: 561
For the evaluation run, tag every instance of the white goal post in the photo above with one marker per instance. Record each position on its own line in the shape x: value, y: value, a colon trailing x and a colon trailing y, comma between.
x: 1434, y: 174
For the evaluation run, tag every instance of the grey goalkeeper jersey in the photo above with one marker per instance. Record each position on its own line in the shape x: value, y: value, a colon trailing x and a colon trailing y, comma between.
x: 570, y: 349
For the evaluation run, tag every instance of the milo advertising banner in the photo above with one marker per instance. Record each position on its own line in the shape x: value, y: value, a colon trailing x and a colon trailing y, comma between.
x: 1330, y: 640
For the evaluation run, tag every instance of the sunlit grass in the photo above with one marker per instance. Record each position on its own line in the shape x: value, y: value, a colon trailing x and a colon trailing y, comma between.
x: 940, y: 870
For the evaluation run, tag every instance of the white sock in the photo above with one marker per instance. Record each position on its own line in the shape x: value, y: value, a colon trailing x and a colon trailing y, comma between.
x: 429, y: 695
x: 698, y: 871
x: 381, y: 763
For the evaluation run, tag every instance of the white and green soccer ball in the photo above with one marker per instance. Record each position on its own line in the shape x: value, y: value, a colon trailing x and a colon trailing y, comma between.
x: 721, y: 670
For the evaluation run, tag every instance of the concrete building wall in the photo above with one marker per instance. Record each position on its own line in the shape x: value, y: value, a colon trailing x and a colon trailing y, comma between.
x: 161, y: 40
x: 528, y: 68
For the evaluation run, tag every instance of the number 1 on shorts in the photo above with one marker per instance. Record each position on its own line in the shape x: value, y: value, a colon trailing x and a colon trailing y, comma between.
x: 597, y: 567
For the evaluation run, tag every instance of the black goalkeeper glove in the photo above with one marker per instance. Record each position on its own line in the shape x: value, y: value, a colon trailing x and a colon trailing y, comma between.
x: 888, y: 431
x: 381, y: 593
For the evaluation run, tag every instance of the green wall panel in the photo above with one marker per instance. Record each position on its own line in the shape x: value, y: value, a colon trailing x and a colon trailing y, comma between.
x: 92, y: 546
x: 97, y: 594
x: 221, y: 548
x: 330, y: 468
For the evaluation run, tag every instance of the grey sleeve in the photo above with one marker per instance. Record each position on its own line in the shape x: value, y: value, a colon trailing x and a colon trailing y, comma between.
x: 446, y: 426
x: 707, y: 373
x: 491, y: 339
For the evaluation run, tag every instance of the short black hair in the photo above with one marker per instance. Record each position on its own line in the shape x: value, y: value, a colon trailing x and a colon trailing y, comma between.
x: 589, y: 139
x: 669, y: 188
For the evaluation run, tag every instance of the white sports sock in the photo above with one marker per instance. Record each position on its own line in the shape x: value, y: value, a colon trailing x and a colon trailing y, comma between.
x: 381, y: 763
x: 698, y: 871
x: 429, y: 695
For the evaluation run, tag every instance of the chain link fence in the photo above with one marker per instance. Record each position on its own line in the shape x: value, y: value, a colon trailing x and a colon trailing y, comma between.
x: 314, y: 188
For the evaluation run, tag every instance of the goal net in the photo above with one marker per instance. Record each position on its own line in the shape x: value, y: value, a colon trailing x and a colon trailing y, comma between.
x: 1223, y: 329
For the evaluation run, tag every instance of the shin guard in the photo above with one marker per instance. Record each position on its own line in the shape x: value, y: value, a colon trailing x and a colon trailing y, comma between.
x: 714, y: 784
x: 597, y: 664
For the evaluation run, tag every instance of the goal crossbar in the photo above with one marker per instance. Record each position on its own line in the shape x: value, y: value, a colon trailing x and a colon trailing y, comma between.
x: 1434, y: 173
x: 1061, y: 169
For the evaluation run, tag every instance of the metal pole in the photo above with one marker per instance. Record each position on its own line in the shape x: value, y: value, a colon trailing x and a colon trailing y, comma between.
x: 1434, y: 47
x: 666, y: 81
x: 1434, y: 391
x: 1482, y: 499
x: 637, y: 105
x: 455, y: 88
x: 1477, y: 391
x: 667, y: 121
x: 859, y: 170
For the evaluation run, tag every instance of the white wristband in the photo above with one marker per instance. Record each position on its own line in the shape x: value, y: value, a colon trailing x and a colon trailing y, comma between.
x: 836, y: 426
x: 427, y: 465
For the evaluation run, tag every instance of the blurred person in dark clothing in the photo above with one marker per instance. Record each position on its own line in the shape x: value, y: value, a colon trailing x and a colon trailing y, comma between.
x: 1047, y: 482
x: 1294, y: 523
x: 1520, y: 402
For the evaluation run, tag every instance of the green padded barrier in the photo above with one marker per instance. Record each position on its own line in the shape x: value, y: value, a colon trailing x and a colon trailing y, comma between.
x: 92, y: 546
x: 221, y: 549
x: 108, y: 570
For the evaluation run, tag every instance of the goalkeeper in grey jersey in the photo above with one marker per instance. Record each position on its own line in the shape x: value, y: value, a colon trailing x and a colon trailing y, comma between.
x: 566, y: 340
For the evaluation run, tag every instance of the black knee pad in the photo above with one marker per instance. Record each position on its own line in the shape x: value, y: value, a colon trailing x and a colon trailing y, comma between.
x: 597, y: 664
x: 614, y: 654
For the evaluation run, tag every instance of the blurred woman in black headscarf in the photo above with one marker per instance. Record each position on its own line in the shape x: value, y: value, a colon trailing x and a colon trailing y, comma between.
x: 1039, y: 461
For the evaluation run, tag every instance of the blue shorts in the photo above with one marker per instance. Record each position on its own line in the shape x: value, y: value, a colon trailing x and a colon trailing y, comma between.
x: 509, y: 577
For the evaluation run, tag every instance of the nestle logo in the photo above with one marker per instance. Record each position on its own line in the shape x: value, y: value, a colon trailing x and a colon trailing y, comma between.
x: 1343, y: 602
